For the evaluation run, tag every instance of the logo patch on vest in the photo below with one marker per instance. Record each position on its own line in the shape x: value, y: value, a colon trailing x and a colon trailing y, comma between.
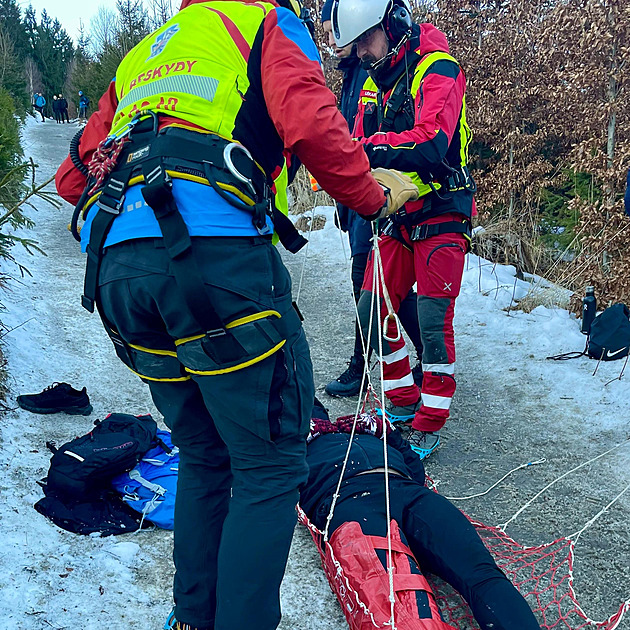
x: 139, y: 154
x: 162, y: 40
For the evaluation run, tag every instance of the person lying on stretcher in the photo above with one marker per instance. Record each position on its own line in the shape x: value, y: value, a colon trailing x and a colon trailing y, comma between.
x: 427, y: 530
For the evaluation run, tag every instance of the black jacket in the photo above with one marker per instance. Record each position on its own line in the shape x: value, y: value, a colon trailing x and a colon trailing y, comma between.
x: 325, y: 455
x: 354, y: 76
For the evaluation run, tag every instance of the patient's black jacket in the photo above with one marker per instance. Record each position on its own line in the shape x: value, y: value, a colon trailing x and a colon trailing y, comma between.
x: 325, y: 455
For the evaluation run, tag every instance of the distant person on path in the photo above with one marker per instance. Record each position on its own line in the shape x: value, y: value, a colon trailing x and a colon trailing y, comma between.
x: 63, y: 108
x: 84, y: 103
x: 348, y: 383
x: 56, y: 109
x: 39, y: 102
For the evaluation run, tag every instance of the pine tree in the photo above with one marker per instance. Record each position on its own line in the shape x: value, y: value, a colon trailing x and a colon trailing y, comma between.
x: 14, y: 49
x: 133, y: 24
x: 11, y: 21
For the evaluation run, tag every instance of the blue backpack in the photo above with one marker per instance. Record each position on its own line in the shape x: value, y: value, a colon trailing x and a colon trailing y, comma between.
x: 149, y: 487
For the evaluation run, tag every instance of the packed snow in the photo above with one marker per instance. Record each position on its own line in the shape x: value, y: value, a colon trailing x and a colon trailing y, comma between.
x: 50, y: 578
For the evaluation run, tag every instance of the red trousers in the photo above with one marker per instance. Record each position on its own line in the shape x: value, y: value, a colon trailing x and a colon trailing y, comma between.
x: 436, y: 264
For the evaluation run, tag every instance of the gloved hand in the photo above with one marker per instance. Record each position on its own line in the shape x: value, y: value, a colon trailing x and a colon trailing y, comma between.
x: 399, y: 189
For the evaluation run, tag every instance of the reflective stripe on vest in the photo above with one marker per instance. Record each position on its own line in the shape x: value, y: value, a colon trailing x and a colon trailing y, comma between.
x: 369, y: 95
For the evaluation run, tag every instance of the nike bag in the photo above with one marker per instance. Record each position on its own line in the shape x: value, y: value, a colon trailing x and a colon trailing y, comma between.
x: 149, y: 487
x: 609, y: 338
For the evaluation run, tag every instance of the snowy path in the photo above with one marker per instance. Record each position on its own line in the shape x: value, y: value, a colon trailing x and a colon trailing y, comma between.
x: 512, y: 406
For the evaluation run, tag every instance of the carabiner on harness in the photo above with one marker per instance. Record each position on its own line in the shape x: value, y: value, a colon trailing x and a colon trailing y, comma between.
x: 227, y: 158
x: 126, y: 130
x: 262, y: 204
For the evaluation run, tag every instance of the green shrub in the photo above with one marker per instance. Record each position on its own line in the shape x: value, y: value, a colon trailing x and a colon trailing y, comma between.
x: 13, y: 189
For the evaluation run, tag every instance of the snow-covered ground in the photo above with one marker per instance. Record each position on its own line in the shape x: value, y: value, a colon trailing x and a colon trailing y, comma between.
x: 512, y: 406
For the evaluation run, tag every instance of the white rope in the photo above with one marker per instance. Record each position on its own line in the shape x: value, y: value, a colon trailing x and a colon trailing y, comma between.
x: 566, y: 474
x: 379, y: 267
x: 494, y: 485
x: 308, y: 240
x: 576, y: 535
x: 364, y: 342
x: 356, y: 415
x: 375, y: 300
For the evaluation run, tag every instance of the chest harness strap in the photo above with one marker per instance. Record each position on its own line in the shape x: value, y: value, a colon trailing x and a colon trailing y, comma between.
x: 221, y: 347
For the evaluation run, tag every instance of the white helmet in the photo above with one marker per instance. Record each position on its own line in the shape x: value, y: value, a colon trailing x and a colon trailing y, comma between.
x: 352, y: 18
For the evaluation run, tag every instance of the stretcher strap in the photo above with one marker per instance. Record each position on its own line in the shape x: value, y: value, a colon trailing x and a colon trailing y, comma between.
x: 411, y: 582
x: 379, y: 542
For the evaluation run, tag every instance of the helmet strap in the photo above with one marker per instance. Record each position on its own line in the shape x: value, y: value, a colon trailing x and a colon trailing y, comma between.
x: 379, y: 64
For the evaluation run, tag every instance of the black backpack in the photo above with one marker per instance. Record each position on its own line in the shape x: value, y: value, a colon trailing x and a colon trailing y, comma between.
x: 87, y: 463
x: 609, y: 338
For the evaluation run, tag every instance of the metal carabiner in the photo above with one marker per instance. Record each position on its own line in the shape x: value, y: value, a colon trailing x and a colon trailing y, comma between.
x: 126, y: 129
x: 394, y: 317
x: 227, y: 158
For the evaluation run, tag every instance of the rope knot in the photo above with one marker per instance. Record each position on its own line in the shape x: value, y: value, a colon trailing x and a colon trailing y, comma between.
x: 104, y: 160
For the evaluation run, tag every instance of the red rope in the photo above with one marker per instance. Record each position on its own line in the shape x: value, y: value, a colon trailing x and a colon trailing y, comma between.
x: 104, y: 160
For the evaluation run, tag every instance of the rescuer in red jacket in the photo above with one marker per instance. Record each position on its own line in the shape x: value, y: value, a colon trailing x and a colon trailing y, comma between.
x: 412, y: 117
x: 189, y: 155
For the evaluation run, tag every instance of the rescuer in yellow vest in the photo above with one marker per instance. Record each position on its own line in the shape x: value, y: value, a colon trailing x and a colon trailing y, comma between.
x: 189, y: 156
x: 412, y: 117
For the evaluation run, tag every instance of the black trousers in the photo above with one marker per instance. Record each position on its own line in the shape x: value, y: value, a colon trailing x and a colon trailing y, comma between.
x: 442, y: 540
x: 407, y: 313
x: 241, y: 434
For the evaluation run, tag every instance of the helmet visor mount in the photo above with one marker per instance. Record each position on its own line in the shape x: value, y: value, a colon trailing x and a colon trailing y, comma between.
x: 374, y: 66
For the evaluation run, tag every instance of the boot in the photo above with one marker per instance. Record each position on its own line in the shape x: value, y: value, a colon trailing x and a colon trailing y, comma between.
x: 172, y: 624
x: 349, y: 382
x: 423, y: 442
x: 400, y: 413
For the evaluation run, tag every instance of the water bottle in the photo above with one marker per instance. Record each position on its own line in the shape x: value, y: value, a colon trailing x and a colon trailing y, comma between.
x: 589, y: 309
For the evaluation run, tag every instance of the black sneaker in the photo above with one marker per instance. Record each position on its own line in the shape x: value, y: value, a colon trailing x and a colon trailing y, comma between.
x: 349, y: 382
x: 56, y: 398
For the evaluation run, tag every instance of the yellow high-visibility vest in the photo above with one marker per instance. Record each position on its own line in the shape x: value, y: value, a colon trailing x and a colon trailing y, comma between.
x: 369, y: 95
x: 194, y: 68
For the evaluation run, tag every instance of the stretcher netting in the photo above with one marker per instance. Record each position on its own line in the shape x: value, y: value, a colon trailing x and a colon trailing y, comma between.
x: 543, y: 575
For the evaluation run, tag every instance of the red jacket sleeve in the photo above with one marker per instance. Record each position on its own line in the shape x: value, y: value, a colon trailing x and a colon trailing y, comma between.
x: 69, y: 180
x: 438, y: 108
x: 304, y: 112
